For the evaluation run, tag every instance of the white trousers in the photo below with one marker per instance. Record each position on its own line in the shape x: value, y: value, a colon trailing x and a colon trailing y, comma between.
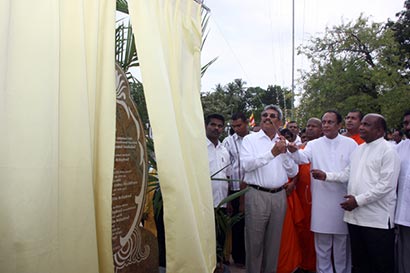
x: 339, y: 244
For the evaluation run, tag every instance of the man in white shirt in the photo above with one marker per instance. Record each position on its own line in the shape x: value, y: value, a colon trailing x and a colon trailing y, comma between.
x: 267, y: 168
x: 330, y: 153
x: 219, y: 162
x: 402, y: 218
x: 371, y: 197
x: 233, y: 144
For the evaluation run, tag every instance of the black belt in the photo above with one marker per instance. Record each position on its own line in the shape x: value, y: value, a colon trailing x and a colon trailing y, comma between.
x: 274, y: 190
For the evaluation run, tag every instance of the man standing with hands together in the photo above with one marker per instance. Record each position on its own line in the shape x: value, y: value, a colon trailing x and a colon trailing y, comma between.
x: 371, y: 197
x: 268, y: 167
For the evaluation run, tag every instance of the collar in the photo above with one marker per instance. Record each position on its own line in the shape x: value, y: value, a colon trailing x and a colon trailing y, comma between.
x: 208, y: 142
x: 261, y: 134
x: 336, y: 139
x: 375, y: 142
x: 236, y: 136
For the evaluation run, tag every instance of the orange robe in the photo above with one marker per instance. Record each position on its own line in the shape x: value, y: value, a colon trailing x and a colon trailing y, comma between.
x: 290, y: 254
x: 305, y: 235
x: 357, y: 138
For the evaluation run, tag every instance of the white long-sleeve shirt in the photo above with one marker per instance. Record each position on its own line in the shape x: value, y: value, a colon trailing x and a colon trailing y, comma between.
x: 403, y: 199
x: 372, y: 180
x: 233, y: 144
x: 329, y: 155
x: 218, y: 158
x: 261, y: 166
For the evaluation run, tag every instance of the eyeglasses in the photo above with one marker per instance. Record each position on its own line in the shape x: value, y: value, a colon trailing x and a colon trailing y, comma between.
x: 265, y: 115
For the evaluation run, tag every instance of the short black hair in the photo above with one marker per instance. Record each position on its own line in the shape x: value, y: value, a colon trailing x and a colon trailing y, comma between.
x: 215, y: 116
x: 239, y: 115
x: 406, y: 113
x: 361, y: 115
x: 338, y: 115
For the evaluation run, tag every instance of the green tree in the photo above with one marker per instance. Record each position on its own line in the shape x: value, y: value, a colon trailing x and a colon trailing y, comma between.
x: 401, y: 29
x: 354, y: 66
x: 225, y: 100
x: 235, y: 97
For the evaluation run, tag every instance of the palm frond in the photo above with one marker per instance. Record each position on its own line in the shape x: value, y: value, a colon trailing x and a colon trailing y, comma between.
x: 231, y: 197
x: 125, y: 50
x: 122, y: 6
x: 205, y: 67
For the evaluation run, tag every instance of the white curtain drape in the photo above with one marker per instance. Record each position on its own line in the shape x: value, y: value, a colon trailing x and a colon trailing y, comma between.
x: 168, y: 40
x: 57, y: 116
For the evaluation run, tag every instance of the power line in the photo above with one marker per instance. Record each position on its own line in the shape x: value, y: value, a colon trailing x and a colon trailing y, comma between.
x: 231, y: 50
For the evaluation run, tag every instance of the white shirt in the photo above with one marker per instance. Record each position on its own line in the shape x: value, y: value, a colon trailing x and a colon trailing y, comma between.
x: 233, y: 144
x: 261, y: 166
x: 218, y: 158
x: 372, y: 175
x: 298, y: 140
x: 329, y: 155
x: 403, y: 199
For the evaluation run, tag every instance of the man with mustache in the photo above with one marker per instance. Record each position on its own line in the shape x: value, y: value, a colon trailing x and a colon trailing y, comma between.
x: 219, y: 161
x: 267, y: 168
x: 402, y: 218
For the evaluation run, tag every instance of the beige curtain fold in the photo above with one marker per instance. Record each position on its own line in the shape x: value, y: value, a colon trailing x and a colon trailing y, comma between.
x: 57, y: 114
x: 168, y: 40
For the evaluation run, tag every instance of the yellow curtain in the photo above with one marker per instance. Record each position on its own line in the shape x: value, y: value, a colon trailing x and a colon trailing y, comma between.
x: 57, y: 114
x: 168, y: 39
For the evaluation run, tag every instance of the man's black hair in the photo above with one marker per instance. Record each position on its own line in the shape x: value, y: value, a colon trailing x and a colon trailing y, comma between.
x: 215, y: 116
x: 338, y: 116
x: 239, y: 115
x: 406, y: 113
x: 361, y: 115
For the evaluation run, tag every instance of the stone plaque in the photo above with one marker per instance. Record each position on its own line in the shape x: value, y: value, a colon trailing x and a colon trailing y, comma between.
x: 134, y: 248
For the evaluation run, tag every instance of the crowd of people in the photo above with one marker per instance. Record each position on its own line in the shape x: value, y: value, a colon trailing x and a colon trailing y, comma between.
x: 316, y: 200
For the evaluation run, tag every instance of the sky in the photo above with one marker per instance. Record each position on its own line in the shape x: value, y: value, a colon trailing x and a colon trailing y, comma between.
x: 253, y: 38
